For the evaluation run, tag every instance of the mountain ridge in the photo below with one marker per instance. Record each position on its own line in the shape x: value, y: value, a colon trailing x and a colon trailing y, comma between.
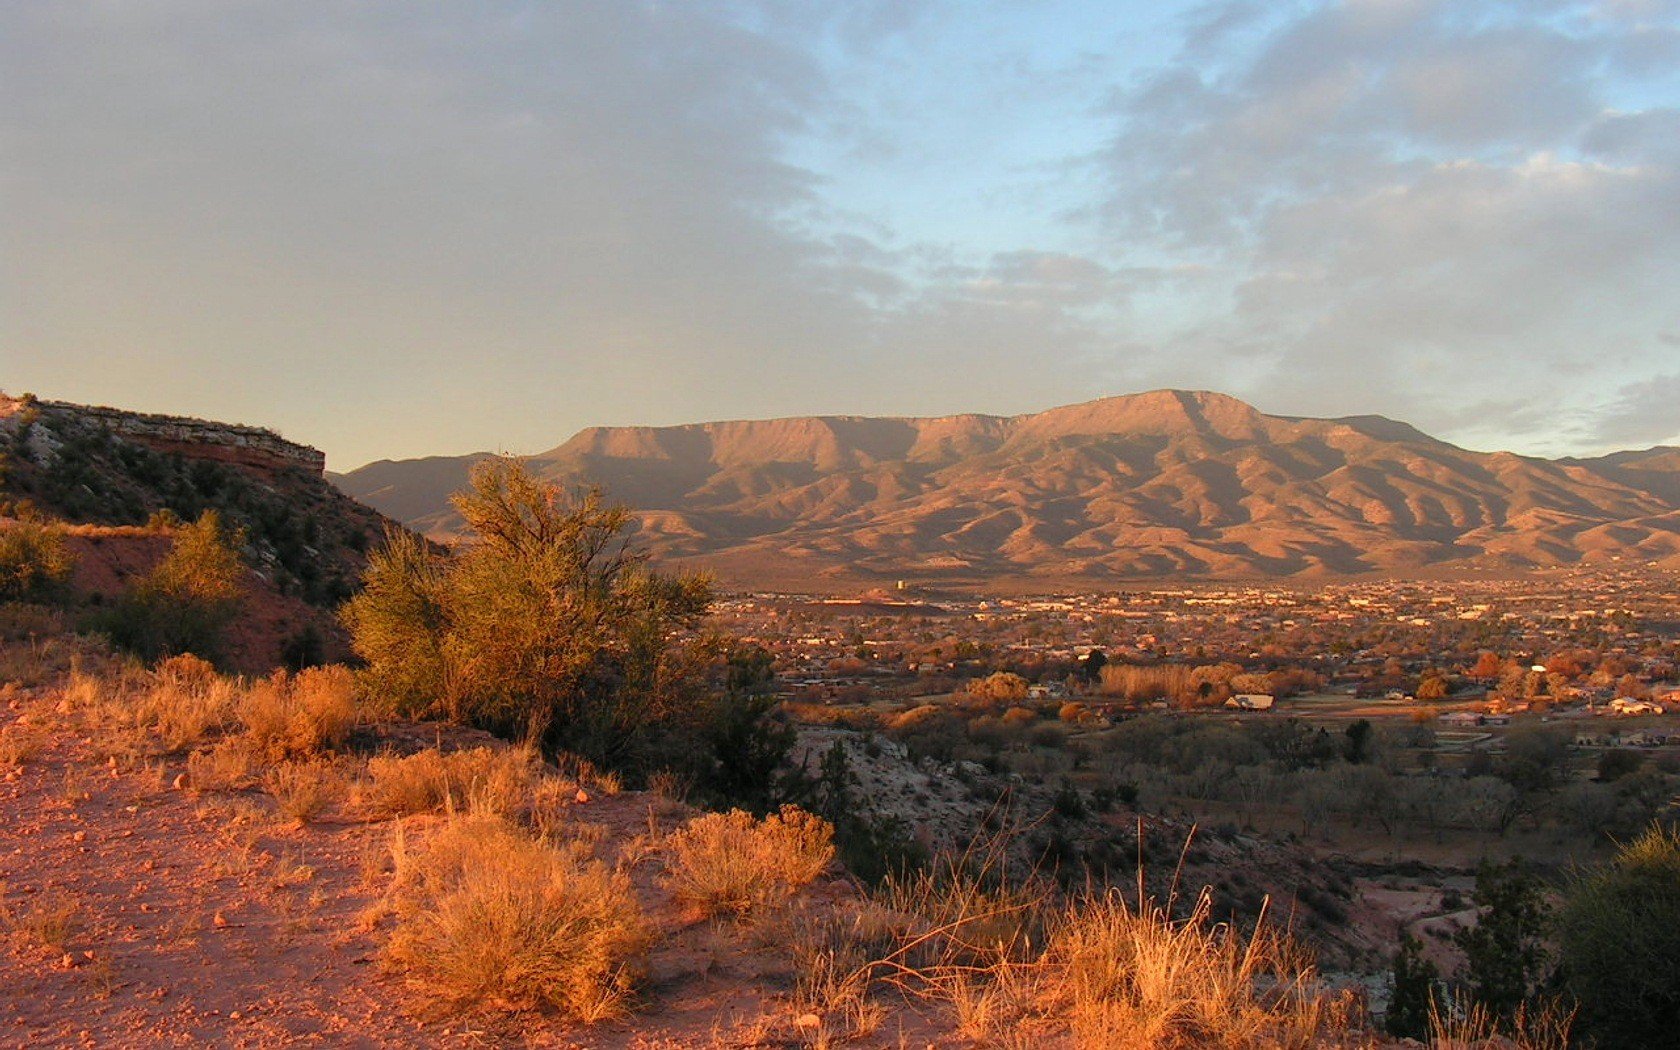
x: 1167, y: 483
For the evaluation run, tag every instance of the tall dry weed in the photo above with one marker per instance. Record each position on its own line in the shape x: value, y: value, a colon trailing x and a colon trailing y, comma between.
x: 1125, y: 976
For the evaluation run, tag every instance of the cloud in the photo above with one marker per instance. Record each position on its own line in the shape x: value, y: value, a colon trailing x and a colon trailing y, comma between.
x: 1642, y: 413
x: 1413, y: 207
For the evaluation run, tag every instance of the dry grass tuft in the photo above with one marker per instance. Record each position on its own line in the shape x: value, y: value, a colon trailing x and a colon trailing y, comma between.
x: 228, y: 766
x: 729, y: 862
x: 305, y: 790
x: 48, y: 920
x: 19, y: 744
x: 487, y: 916
x: 1542, y: 1026
x: 1125, y: 976
x: 482, y: 779
x: 296, y: 716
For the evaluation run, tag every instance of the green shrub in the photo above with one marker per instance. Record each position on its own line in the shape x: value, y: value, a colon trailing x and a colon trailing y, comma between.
x: 547, y: 625
x: 35, y: 562
x: 1619, y: 941
x: 186, y: 603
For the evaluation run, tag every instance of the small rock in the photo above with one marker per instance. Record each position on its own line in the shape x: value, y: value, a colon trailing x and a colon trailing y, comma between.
x: 80, y: 836
x: 235, y: 1015
x: 582, y: 796
x: 804, y: 1021
x: 220, y: 921
x: 180, y: 782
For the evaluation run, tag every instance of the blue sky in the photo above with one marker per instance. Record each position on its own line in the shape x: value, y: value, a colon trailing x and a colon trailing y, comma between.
x: 403, y: 229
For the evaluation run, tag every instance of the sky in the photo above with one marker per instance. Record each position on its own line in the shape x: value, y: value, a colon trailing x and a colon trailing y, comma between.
x: 423, y: 228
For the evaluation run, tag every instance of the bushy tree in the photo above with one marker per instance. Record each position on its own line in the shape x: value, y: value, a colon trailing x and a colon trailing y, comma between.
x: 35, y: 562
x: 1619, y: 943
x: 1504, y: 954
x: 546, y: 624
x: 747, y: 742
x: 186, y: 603
x: 1414, y: 993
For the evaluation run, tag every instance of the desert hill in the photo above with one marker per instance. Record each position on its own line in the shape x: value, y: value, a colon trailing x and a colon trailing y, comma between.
x: 1166, y: 483
x: 105, y: 473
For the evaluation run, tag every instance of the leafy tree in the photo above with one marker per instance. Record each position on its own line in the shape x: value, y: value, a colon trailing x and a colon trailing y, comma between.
x: 1619, y: 943
x: 547, y: 625
x: 1503, y: 953
x: 186, y: 603
x: 35, y: 562
x: 1414, y: 994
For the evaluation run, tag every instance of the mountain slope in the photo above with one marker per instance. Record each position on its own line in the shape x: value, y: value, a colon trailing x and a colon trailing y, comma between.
x: 1157, y: 484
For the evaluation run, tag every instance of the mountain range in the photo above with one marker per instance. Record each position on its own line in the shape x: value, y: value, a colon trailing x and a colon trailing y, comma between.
x: 1165, y: 484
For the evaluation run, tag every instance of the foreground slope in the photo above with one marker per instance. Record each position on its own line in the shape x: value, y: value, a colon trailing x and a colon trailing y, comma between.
x: 1163, y: 483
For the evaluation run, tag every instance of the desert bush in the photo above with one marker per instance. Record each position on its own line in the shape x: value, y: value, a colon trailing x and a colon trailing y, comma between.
x: 227, y: 766
x: 729, y: 862
x: 296, y: 716
x: 35, y: 562
x: 546, y: 626
x: 1619, y: 942
x: 176, y: 706
x: 487, y: 916
x: 185, y: 604
x: 489, y: 780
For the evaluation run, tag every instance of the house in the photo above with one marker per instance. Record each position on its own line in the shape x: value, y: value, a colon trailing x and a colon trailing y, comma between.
x: 1461, y: 718
x: 1623, y: 705
x: 1251, y: 702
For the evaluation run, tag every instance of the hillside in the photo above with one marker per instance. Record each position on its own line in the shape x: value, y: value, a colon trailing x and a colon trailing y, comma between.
x: 106, y: 473
x: 1166, y: 483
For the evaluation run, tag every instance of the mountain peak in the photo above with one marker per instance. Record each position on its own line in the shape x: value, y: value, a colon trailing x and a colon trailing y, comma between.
x: 1155, y: 412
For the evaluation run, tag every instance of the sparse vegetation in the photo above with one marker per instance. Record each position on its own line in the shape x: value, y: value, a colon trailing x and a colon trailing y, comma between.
x: 481, y: 779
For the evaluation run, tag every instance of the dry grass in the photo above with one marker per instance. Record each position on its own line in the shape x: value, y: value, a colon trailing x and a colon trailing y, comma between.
x: 482, y: 779
x: 1124, y: 977
x: 48, y: 920
x: 486, y: 916
x: 19, y: 744
x: 296, y: 716
x: 305, y: 790
x: 1542, y: 1026
x: 228, y: 766
x: 729, y: 862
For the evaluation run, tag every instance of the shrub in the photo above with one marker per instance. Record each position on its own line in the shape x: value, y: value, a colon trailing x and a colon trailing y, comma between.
x: 483, y: 779
x: 487, y: 916
x: 296, y: 716
x: 1503, y: 953
x: 1619, y: 939
x: 546, y: 626
x: 729, y: 862
x: 35, y: 563
x: 186, y: 603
